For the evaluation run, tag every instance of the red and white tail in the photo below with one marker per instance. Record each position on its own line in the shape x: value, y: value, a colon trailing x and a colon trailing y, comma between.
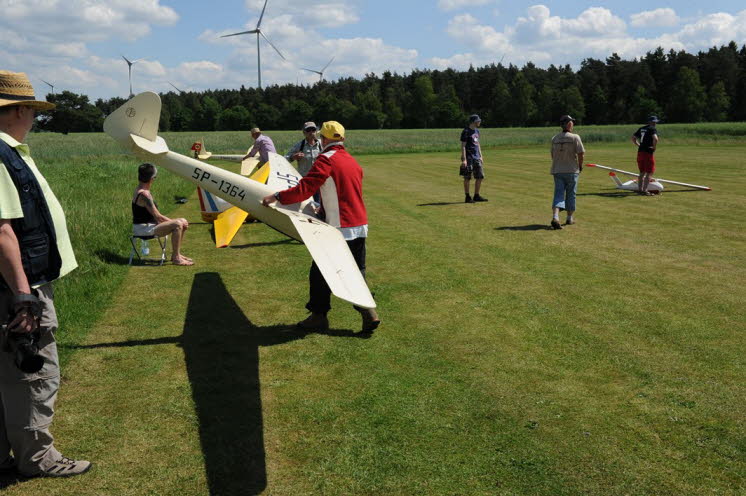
x: 616, y: 179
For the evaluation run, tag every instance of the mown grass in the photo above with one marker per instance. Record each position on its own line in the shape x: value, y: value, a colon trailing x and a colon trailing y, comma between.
x: 603, y: 358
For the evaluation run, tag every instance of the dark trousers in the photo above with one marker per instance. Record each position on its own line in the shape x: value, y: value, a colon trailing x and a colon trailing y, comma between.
x: 319, y: 294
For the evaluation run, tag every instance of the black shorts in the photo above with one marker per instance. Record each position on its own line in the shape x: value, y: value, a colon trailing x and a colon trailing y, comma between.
x: 473, y: 168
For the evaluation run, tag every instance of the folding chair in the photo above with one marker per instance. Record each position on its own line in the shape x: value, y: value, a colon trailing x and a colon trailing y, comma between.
x: 162, y: 242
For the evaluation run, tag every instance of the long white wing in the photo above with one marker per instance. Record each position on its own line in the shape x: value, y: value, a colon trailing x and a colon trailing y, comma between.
x: 332, y: 255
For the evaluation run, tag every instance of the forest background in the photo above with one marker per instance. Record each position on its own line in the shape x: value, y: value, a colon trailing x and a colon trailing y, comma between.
x: 677, y: 86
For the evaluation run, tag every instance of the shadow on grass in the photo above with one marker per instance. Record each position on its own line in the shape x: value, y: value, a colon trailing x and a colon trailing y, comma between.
x: 268, y: 243
x: 438, y: 204
x: 221, y: 350
x: 530, y: 227
x: 628, y: 194
x: 112, y: 258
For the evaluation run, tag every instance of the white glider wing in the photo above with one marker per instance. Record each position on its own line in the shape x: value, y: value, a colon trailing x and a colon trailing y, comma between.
x: 332, y: 255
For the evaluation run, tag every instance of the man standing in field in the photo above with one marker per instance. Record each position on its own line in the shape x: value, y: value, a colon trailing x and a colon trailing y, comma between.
x: 306, y: 150
x: 262, y: 144
x: 646, y: 140
x: 35, y: 250
x: 471, y: 159
x: 339, y: 179
x: 567, y: 163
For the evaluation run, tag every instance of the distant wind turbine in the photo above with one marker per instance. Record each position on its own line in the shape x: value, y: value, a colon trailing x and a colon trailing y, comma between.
x: 321, y: 72
x: 49, y: 84
x: 258, y: 32
x: 129, y: 68
x: 177, y: 89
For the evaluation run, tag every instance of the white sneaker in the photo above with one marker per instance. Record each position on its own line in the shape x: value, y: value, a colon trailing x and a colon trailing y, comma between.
x: 65, y: 467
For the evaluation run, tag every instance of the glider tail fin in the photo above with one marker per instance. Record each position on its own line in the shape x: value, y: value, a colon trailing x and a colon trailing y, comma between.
x: 139, y: 117
x: 615, y: 178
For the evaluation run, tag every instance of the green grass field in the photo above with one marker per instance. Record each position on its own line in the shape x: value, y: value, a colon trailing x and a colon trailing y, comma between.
x: 606, y: 358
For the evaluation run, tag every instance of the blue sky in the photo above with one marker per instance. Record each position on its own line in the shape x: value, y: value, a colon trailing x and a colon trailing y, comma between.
x: 76, y: 44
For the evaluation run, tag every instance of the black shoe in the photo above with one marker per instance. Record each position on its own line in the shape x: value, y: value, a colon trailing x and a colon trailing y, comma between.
x: 314, y: 322
x: 468, y: 199
x: 556, y: 224
x: 478, y: 198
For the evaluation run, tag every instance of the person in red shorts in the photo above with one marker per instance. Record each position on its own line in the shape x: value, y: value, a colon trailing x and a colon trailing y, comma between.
x: 646, y: 140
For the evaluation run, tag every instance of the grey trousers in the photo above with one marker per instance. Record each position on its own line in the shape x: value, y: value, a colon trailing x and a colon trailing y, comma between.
x: 27, y: 400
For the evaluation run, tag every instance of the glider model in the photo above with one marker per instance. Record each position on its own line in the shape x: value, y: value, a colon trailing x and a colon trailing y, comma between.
x: 227, y: 219
x: 654, y: 186
x: 134, y: 125
x: 247, y: 166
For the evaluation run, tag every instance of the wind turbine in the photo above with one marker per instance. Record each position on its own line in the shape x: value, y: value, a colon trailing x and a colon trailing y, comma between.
x: 321, y: 72
x: 258, y: 32
x: 177, y: 89
x: 129, y: 68
x: 50, y: 85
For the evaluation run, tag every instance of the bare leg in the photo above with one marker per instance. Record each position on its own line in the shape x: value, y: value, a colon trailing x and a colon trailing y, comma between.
x: 639, y: 182
x: 466, y: 186
x: 174, y: 228
x: 477, y: 185
x: 645, y: 182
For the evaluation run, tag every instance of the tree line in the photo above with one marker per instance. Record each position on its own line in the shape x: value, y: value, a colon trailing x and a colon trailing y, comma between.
x: 675, y: 85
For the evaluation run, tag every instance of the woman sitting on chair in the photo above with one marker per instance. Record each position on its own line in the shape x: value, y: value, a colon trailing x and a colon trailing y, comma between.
x: 148, y: 221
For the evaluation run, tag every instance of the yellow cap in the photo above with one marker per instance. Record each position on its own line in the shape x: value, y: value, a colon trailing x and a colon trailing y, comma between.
x: 332, y: 130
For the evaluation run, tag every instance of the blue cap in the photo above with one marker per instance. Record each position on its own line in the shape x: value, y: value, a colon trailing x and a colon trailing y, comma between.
x: 653, y: 118
x: 474, y: 118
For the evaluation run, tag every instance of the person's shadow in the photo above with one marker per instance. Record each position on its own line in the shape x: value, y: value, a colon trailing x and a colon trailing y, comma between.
x: 221, y: 350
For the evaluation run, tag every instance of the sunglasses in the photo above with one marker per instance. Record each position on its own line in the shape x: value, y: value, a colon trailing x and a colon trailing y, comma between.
x: 309, y: 130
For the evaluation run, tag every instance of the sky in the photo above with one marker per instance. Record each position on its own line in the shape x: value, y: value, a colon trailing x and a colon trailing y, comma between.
x: 77, y: 45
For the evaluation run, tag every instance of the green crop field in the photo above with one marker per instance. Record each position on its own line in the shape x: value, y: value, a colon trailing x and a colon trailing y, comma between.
x: 605, y: 358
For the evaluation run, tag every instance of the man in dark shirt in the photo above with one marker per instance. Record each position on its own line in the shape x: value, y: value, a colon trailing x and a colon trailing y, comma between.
x: 646, y: 140
x: 471, y: 159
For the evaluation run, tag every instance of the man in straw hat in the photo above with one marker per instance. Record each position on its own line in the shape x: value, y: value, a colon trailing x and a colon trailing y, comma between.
x: 35, y: 250
x: 339, y: 178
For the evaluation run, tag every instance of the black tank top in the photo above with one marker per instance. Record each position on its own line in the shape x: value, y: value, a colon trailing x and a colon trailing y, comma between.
x: 141, y: 215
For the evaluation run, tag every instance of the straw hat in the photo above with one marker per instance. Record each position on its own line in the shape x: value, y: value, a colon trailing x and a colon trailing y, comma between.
x: 16, y: 89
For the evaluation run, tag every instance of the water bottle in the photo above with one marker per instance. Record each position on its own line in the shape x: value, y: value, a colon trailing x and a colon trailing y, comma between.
x: 144, y: 249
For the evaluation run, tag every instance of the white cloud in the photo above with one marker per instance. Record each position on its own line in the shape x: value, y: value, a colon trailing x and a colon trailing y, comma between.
x: 665, y: 17
x: 47, y: 21
x: 448, y: 5
x: 545, y: 39
x: 323, y: 14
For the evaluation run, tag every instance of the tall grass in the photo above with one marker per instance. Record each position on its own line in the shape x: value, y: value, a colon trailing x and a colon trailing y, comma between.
x: 388, y: 141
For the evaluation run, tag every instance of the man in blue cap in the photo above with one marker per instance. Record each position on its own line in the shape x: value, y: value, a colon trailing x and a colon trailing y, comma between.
x: 646, y: 140
x: 471, y: 159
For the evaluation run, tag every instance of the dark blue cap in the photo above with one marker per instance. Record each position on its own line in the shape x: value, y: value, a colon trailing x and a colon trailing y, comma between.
x: 653, y: 118
x: 474, y: 118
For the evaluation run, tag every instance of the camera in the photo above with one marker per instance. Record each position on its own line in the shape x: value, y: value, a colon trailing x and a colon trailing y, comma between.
x: 25, y: 350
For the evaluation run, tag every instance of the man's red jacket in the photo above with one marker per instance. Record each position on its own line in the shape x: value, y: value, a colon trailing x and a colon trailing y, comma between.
x: 339, y: 178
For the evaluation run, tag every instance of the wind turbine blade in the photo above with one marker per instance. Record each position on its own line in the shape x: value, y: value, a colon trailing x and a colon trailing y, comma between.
x: 328, y: 64
x: 311, y: 70
x: 242, y: 32
x: 177, y: 89
x: 262, y: 14
x: 48, y: 84
x: 127, y: 60
x: 136, y: 61
x: 270, y: 44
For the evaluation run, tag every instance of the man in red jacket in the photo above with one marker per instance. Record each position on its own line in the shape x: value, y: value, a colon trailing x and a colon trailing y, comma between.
x: 339, y: 179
